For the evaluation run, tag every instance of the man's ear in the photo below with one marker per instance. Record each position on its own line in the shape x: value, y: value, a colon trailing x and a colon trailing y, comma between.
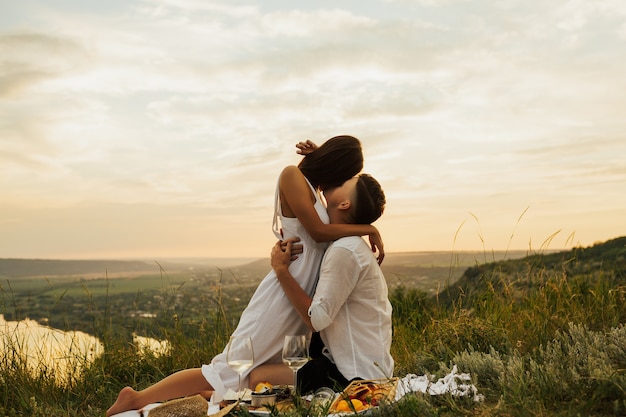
x: 345, y: 205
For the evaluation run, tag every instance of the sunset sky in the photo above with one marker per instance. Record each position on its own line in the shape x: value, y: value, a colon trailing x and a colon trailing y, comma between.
x: 158, y: 128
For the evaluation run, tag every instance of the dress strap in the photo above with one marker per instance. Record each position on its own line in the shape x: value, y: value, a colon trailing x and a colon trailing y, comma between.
x: 276, y: 226
x: 276, y: 222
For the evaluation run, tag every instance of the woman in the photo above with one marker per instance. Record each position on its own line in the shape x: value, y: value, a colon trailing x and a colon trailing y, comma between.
x: 299, y: 212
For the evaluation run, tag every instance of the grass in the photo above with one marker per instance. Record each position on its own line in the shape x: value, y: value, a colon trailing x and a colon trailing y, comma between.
x: 540, y: 336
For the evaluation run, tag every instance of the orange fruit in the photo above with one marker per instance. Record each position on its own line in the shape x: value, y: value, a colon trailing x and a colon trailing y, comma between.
x: 343, y: 405
x: 261, y: 385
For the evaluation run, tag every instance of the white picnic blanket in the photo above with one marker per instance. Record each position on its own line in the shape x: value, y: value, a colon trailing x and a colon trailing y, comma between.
x: 145, y: 412
x: 454, y: 383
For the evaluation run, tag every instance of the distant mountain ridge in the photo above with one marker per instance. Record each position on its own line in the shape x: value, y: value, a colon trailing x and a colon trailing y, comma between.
x: 20, y: 267
x: 39, y: 267
x: 398, y: 266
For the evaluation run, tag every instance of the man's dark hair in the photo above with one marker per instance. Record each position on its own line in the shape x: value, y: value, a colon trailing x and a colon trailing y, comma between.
x: 370, y: 200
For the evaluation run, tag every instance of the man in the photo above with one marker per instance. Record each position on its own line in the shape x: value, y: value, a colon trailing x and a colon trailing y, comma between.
x: 350, y: 308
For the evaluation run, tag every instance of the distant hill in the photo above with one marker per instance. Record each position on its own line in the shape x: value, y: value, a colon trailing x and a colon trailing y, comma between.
x: 607, y: 260
x: 431, y: 271
x: 41, y: 267
x: 424, y: 270
x: 13, y: 268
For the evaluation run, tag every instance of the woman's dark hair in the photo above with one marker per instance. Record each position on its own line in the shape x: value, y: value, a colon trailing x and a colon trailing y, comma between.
x: 370, y: 200
x: 334, y: 162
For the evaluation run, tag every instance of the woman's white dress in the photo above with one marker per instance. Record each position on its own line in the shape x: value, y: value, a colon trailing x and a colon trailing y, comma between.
x: 270, y: 316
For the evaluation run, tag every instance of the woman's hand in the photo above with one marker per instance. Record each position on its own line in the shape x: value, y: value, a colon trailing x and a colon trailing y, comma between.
x: 305, y: 148
x: 377, y: 244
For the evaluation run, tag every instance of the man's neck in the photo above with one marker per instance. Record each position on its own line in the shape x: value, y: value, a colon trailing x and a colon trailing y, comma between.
x: 338, y: 216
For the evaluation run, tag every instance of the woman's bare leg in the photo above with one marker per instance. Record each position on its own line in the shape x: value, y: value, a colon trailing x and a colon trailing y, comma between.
x: 180, y: 384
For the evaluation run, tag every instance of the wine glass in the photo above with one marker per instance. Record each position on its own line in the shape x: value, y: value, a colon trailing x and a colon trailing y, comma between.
x: 295, y: 355
x: 240, y: 355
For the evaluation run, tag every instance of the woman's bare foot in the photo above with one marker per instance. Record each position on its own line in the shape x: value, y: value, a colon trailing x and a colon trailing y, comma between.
x: 126, y: 400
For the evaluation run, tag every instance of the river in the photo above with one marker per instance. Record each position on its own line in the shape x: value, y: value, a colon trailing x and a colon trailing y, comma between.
x: 59, y: 354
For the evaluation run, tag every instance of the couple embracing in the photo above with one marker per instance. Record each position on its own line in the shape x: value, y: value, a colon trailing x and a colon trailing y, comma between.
x: 335, y: 291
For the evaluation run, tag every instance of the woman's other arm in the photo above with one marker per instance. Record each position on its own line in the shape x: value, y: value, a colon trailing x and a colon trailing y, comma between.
x: 298, y: 201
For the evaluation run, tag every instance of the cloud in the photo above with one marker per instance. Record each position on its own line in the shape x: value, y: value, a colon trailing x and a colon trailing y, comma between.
x: 460, y: 105
x: 30, y: 58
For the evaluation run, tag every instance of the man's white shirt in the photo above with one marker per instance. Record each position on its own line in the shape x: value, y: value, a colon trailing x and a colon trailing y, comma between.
x: 352, y: 312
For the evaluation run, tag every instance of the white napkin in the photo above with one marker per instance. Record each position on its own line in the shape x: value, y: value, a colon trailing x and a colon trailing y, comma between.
x: 453, y: 383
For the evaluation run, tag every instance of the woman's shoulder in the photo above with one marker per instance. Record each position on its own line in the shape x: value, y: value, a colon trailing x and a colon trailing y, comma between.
x: 291, y: 170
x: 291, y: 174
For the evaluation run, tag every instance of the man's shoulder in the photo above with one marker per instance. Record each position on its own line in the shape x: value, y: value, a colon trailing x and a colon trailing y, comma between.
x: 354, y: 244
x: 355, y: 248
x: 348, y: 242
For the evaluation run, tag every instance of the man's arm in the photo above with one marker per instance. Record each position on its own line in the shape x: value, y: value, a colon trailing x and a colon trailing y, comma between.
x: 299, y: 298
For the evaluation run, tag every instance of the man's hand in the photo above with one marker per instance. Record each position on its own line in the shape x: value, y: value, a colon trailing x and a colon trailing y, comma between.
x: 296, y: 248
x: 281, y: 258
x: 305, y: 148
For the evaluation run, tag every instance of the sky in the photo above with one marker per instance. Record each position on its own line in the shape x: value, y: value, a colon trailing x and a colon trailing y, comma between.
x: 158, y: 128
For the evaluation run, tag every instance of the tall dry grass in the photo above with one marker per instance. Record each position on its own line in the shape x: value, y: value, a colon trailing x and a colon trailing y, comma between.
x: 541, y: 337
